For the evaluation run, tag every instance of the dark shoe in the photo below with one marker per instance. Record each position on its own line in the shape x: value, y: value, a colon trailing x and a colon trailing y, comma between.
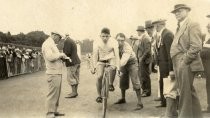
x: 72, y: 95
x: 154, y: 71
x: 139, y: 107
x: 59, y: 114
x: 162, y: 105
x: 157, y: 99
x: 111, y: 88
x: 50, y: 115
x: 120, y: 101
x: 144, y: 95
x: 99, y: 99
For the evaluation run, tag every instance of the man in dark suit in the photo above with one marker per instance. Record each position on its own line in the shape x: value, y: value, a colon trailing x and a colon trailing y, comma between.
x: 205, y: 56
x: 143, y: 53
x: 163, y: 46
x: 185, y: 54
x: 151, y: 31
x: 72, y: 64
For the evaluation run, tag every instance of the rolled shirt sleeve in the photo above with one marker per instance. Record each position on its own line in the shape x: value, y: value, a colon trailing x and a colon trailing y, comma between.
x: 127, y: 52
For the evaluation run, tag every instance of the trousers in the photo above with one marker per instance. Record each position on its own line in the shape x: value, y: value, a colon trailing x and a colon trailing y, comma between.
x: 144, y: 75
x: 189, y: 104
x: 54, y: 91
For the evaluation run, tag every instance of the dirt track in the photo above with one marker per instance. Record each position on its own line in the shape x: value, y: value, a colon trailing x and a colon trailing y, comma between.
x: 24, y: 97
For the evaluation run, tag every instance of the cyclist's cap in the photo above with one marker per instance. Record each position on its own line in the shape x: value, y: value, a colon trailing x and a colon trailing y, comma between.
x: 105, y: 31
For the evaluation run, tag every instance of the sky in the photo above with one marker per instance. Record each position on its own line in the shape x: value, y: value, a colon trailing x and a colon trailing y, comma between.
x: 85, y: 18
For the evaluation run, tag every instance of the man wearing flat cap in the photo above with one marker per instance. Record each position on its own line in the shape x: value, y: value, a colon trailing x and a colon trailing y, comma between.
x: 53, y: 60
x: 185, y: 54
x: 143, y: 53
x: 164, y: 61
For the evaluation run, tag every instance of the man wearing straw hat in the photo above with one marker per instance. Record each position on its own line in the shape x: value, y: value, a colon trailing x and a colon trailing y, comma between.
x: 53, y: 60
x: 185, y: 54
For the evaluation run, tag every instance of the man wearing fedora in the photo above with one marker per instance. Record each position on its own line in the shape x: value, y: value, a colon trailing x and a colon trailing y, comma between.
x: 151, y: 32
x: 205, y: 56
x: 53, y: 60
x: 143, y: 53
x: 185, y: 54
x: 163, y: 46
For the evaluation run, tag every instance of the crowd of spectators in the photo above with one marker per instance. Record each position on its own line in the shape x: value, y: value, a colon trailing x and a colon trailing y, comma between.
x: 16, y: 60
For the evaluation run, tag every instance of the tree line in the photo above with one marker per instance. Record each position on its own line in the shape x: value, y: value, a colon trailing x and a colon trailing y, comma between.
x: 36, y: 38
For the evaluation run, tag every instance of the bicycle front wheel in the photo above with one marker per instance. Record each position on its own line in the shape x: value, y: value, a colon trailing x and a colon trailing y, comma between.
x: 104, y: 107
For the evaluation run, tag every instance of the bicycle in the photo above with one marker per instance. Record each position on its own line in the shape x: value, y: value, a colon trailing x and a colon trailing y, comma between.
x: 105, y: 88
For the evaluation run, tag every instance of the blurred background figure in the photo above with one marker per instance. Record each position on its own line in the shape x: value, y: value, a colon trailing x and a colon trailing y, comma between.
x: 3, y: 68
x: 151, y: 32
x: 205, y: 55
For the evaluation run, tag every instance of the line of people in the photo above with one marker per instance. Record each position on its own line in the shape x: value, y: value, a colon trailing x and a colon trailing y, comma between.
x: 177, y: 56
x: 16, y: 60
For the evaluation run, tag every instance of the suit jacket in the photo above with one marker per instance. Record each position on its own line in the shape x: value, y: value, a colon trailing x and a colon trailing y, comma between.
x: 143, y: 51
x: 163, y: 53
x: 70, y: 49
x: 188, y: 42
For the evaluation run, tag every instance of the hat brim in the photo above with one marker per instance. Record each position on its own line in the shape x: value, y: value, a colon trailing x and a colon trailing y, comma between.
x: 149, y: 27
x: 56, y: 34
x: 157, y: 22
x: 140, y: 30
x: 174, y: 11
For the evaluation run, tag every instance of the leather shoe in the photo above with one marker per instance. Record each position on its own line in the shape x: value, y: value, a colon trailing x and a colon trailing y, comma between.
x: 144, y: 95
x: 139, y: 107
x: 71, y: 95
x: 59, y: 114
x: 50, y: 115
x: 120, y: 101
x: 157, y: 99
x: 161, y: 105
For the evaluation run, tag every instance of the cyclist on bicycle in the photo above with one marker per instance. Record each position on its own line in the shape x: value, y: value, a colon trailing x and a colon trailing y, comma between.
x: 129, y: 70
x: 105, y: 51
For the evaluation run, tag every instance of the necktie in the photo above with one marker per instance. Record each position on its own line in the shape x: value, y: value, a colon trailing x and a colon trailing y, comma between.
x: 178, y: 26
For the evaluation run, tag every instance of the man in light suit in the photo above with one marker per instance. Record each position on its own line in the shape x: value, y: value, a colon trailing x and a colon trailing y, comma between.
x: 53, y: 60
x: 185, y: 54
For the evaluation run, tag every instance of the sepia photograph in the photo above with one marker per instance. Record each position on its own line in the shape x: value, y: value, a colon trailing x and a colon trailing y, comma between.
x: 105, y: 59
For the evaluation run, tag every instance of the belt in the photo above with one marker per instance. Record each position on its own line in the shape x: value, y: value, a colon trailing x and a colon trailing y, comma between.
x: 104, y: 61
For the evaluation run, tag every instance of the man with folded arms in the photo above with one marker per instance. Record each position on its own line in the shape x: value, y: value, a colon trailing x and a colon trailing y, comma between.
x: 53, y: 60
